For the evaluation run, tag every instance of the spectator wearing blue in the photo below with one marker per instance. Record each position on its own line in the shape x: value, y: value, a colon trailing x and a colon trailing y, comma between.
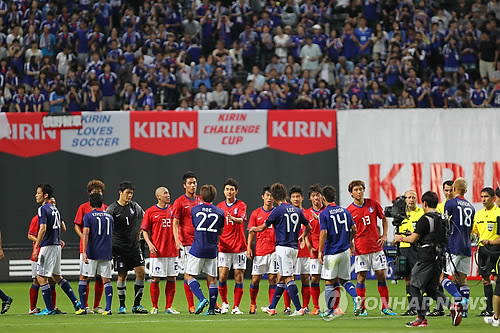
x: 82, y: 38
x: 202, y: 73
x: 248, y: 39
x: 363, y: 35
x: 57, y: 99
x: 274, y: 13
x: 109, y: 85
x: 36, y: 100
x: 102, y: 12
x: 20, y: 100
x: 93, y: 98
x: 370, y: 12
x: 423, y: 95
x: 479, y: 96
x: 51, y: 22
x: 131, y: 37
x: 73, y: 100
x: 350, y: 42
x: 298, y: 41
x: 451, y: 58
x: 47, y: 41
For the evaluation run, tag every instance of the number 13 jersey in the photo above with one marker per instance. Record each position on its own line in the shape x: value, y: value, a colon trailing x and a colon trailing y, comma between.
x: 365, y: 218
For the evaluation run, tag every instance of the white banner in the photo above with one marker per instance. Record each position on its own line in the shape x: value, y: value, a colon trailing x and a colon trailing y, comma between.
x: 4, y: 126
x: 103, y: 133
x: 232, y: 132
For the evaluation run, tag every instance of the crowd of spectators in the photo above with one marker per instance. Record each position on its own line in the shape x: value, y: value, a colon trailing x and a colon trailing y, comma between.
x: 248, y: 54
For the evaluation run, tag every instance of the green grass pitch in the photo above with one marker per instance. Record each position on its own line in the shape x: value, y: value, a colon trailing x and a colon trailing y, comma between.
x: 17, y: 320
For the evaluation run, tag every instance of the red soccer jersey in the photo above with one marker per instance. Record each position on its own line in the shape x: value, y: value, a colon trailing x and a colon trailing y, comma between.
x: 314, y: 238
x: 80, y: 213
x: 265, y: 242
x: 33, y: 230
x: 159, y: 221
x: 365, y: 218
x: 182, y: 211
x: 233, y: 238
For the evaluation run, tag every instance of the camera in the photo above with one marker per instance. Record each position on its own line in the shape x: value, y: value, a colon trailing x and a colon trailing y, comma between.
x: 397, y: 211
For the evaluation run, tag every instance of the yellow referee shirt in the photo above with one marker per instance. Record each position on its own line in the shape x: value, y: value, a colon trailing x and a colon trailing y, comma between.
x: 440, y: 207
x: 410, y: 223
x: 486, y: 224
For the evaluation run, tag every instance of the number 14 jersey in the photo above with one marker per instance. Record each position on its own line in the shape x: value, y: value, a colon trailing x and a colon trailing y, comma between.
x: 365, y: 218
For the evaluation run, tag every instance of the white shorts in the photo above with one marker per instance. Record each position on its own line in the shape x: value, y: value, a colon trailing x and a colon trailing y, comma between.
x: 375, y: 261
x: 236, y: 260
x: 265, y: 264
x: 33, y: 269
x: 195, y: 266
x: 302, y: 266
x: 460, y: 264
x: 287, y: 257
x: 183, y: 255
x: 163, y: 267
x: 316, y: 267
x: 49, y: 261
x: 103, y: 268
x: 337, y: 266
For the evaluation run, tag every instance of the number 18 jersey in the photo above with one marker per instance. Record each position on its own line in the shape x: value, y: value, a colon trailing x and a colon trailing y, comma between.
x: 286, y: 220
x: 461, y: 213
x: 365, y: 218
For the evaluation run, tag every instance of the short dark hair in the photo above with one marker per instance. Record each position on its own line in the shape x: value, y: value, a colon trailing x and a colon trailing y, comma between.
x: 231, y: 182
x: 314, y: 188
x: 431, y: 198
x: 329, y: 193
x: 208, y: 193
x: 187, y: 175
x: 278, y: 192
x: 46, y: 189
x: 448, y: 183
x: 489, y: 190
x: 126, y: 185
x: 354, y: 183
x: 497, y: 192
x: 95, y: 200
x: 266, y: 188
x: 296, y: 189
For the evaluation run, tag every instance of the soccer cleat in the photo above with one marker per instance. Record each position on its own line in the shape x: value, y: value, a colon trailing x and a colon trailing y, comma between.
x: 307, y: 311
x: 46, y: 312
x: 465, y: 311
x: 191, y: 310
x: 338, y: 311
x: 486, y: 313
x: 287, y: 311
x: 201, y: 305
x: 224, y: 308
x: 6, y: 305
x: 236, y: 310
x: 297, y: 313
x: 77, y: 305
x: 122, y: 310
x: 217, y: 308
x: 154, y: 311
x: 418, y: 323
x: 252, y: 309
x: 409, y: 312
x: 315, y: 312
x: 171, y: 311
x: 435, y: 313
x: 59, y: 312
x: 139, y: 309
x: 329, y: 315
x: 456, y: 314
x: 34, y: 311
x: 107, y: 313
x: 81, y: 312
x: 98, y: 310
x: 388, y: 312
x: 363, y: 312
x: 492, y: 321
x: 357, y: 305
x: 89, y: 311
x: 209, y: 313
x: 270, y: 312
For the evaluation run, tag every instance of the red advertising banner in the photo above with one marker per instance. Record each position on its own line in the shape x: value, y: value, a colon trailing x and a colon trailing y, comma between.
x: 164, y: 132
x: 302, y: 131
x: 27, y: 137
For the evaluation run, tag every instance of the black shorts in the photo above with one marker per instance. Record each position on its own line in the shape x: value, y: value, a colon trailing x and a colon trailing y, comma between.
x: 127, y: 259
x: 411, y: 257
x: 425, y: 275
x: 487, y: 260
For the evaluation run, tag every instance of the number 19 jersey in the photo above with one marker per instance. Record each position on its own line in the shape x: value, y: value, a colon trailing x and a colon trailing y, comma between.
x: 461, y: 213
x: 365, y: 218
x: 286, y: 220
x: 207, y: 221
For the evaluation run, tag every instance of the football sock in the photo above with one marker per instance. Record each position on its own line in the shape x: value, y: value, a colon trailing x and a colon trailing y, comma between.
x: 408, y: 296
x: 286, y: 299
x: 189, y: 295
x: 315, y: 292
x: 271, y: 291
x: 293, y: 291
x: 121, y: 287
x: 46, y: 296
x: 451, y: 289
x: 154, y: 291
x: 98, y: 289
x: 336, y: 293
x: 351, y: 289
x: 306, y: 295
x: 280, y: 288
x: 238, y: 293
x: 213, y: 291
x: 194, y: 285
x: 384, y: 294
x: 223, y: 291
x: 82, y: 292
x: 170, y: 293
x: 465, y: 292
x: 3, y: 297
x: 254, y: 290
x: 108, y: 289
x: 488, y: 293
x: 53, y: 294
x: 68, y: 290
x: 361, y: 290
x: 87, y: 296
x: 139, y: 290
x: 329, y: 297
x: 34, y: 296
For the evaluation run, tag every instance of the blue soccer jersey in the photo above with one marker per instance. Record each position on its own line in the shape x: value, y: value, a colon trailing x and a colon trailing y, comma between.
x: 207, y: 221
x: 100, y: 244
x: 338, y: 222
x: 49, y: 215
x: 286, y: 220
x: 461, y: 213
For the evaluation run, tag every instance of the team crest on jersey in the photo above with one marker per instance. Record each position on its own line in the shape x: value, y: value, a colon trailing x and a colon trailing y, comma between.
x: 490, y: 227
x: 235, y: 211
x: 132, y: 211
x: 370, y: 209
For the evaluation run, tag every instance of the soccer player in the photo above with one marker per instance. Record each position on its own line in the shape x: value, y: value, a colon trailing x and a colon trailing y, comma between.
x: 337, y: 231
x: 448, y: 194
x: 265, y: 250
x: 183, y: 225
x: 157, y: 230
x: 127, y: 254
x: 458, y: 260
x: 208, y: 222
x: 486, y: 228
x: 312, y: 215
x: 49, y: 257
x: 368, y: 244
x: 286, y: 220
x: 97, y: 251
x: 232, y: 246
x: 94, y: 186
x: 6, y: 300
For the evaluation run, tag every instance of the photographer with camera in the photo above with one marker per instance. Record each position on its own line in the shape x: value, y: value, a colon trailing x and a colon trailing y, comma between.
x: 430, y: 237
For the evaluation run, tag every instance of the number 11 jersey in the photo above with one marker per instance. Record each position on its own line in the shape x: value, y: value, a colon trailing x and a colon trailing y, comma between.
x: 365, y: 218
